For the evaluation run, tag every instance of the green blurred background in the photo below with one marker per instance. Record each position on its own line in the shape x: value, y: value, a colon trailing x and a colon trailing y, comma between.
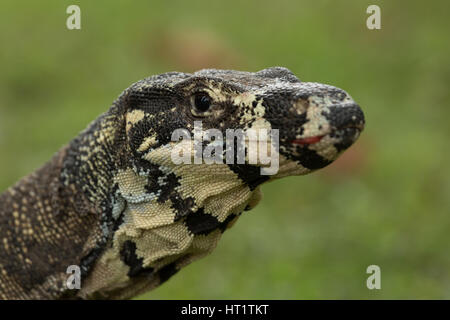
x: 385, y: 202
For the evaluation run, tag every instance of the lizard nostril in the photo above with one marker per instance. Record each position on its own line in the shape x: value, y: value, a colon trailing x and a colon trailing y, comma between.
x: 346, y: 115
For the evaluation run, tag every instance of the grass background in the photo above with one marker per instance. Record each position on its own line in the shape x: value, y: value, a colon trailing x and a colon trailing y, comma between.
x: 385, y: 202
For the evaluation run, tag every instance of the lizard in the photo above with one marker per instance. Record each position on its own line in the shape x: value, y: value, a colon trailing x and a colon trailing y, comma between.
x: 113, y: 203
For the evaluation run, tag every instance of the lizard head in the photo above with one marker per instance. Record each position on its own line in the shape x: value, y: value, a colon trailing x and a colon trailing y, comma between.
x: 315, y: 122
x: 169, y: 213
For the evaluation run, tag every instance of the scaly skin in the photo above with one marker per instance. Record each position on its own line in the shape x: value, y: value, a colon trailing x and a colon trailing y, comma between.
x: 114, y: 203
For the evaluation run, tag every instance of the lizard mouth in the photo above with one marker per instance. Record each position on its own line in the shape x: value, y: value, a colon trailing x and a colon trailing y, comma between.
x: 308, y: 140
x: 344, y: 133
x: 346, y: 122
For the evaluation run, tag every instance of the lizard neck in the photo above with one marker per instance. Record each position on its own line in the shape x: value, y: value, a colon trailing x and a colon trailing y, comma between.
x: 91, y: 162
x: 58, y: 216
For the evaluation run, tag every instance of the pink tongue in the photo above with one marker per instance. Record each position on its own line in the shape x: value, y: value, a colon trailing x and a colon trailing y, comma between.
x: 309, y: 140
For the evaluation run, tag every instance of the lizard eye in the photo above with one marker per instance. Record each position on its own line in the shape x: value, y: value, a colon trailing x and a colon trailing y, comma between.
x: 201, y: 102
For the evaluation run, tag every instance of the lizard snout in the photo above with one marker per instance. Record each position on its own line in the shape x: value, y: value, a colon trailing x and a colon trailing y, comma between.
x: 343, y: 116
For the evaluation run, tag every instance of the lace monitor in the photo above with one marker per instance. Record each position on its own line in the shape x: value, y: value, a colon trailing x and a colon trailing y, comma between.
x: 114, y: 203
